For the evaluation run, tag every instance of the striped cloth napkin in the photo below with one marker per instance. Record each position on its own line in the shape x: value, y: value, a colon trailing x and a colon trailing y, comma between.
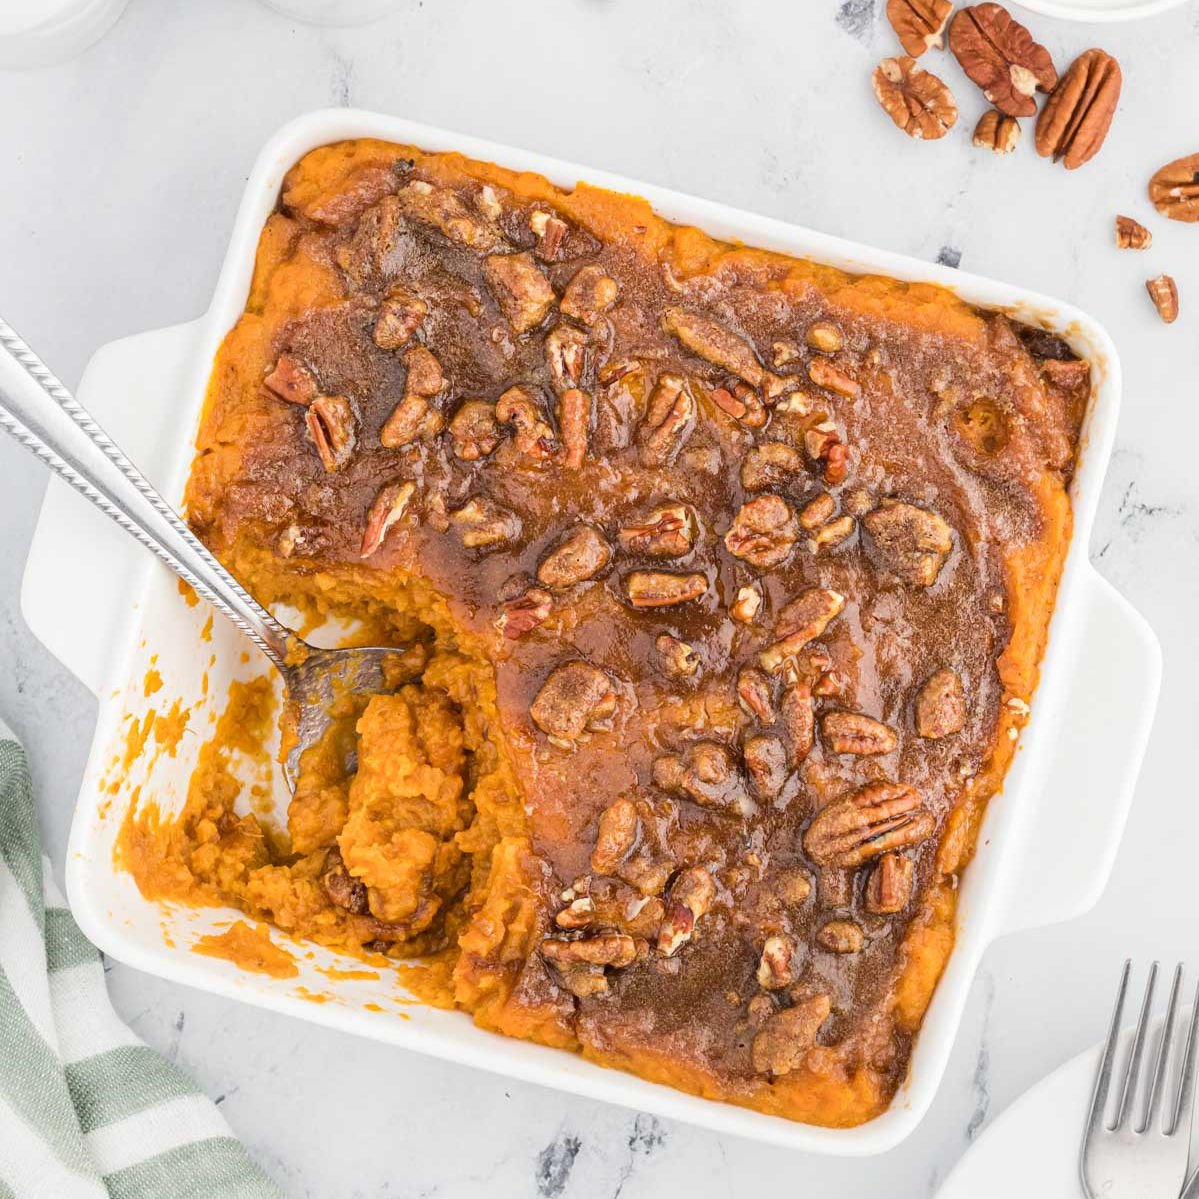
x: 87, y: 1111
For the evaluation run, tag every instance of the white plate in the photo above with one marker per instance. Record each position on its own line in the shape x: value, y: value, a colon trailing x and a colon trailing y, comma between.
x: 1099, y: 10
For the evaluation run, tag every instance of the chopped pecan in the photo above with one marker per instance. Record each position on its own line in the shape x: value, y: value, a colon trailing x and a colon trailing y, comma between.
x: 913, y: 543
x: 853, y: 733
x: 771, y: 464
x: 763, y: 532
x: 798, y: 719
x: 400, y: 315
x: 575, y: 698
x: 343, y: 889
x: 889, y: 886
x: 485, y: 524
x: 1174, y: 189
x: 1076, y: 117
x: 291, y: 380
x: 474, y: 430
x: 817, y: 511
x: 720, y: 346
x: 919, y: 24
x: 940, y: 706
x: 832, y: 534
x: 523, y: 293
x: 1000, y: 55
x: 589, y: 294
x: 525, y: 612
x: 580, y: 555
x: 766, y: 762
x: 867, y: 823
x: 706, y: 772
x: 756, y: 694
x: 442, y: 209
x: 425, y: 376
x: 667, y: 532
x: 330, y: 421
x: 669, y: 419
x: 1163, y: 291
x: 661, y: 589
x: 612, y: 904
x: 915, y: 99
x: 783, y: 353
x: 841, y: 936
x: 565, y: 356
x: 1132, y: 235
x: 690, y: 897
x: 775, y: 965
x: 825, y: 337
x: 746, y: 604
x: 550, y: 232
x: 388, y: 506
x: 802, y: 620
x: 583, y: 981
x: 826, y: 451
x: 785, y: 1037
x: 793, y: 886
x: 412, y: 419
x: 618, y: 828
x: 521, y: 409
x: 681, y: 661
x: 831, y: 377
x: 574, y: 420
x: 997, y: 132
x: 605, y: 949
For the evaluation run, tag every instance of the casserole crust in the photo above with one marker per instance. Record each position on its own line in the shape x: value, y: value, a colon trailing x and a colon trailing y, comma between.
x: 722, y: 579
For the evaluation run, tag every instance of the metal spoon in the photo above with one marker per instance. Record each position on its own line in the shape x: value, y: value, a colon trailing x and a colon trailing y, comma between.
x: 45, y: 418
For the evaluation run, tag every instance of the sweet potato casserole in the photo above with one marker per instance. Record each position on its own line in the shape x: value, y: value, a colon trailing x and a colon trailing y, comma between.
x: 720, y: 578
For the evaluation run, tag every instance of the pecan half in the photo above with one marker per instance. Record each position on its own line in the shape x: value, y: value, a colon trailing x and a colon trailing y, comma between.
x: 915, y: 99
x: 867, y: 823
x: 689, y: 899
x: 1132, y: 235
x: 996, y: 131
x: 521, y: 409
x: 815, y: 513
x: 770, y: 464
x: 550, y: 231
x: 589, y: 294
x: 1000, y: 55
x: 580, y: 555
x: 343, y: 889
x: 485, y: 524
x: 802, y: 620
x: 400, y: 315
x: 722, y: 347
x: 617, y: 834
x: 565, y: 356
x: 827, y: 452
x: 669, y: 419
x: 575, y: 698
x: 798, y: 719
x: 523, y: 293
x: 1163, y: 291
x: 889, y: 886
x: 774, y: 966
x: 1174, y: 189
x: 525, y: 612
x: 763, y: 532
x: 912, y: 543
x: 291, y: 380
x: 412, y: 419
x: 330, y: 421
x: 574, y: 420
x: 919, y: 24
x: 785, y: 1037
x: 666, y: 532
x: 940, y: 706
x: 474, y: 430
x: 766, y: 761
x: 841, y: 936
x: 756, y: 694
x: 1076, y: 117
x: 680, y: 660
x: 605, y: 949
x: 832, y: 534
x: 661, y: 589
x: 853, y: 733
x: 425, y: 376
x: 388, y: 506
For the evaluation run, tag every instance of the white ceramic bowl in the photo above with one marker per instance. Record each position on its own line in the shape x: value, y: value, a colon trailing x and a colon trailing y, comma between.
x: 1099, y: 10
x: 1048, y: 842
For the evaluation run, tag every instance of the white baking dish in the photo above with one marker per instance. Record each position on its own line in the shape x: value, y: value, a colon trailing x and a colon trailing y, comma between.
x: 1047, y: 846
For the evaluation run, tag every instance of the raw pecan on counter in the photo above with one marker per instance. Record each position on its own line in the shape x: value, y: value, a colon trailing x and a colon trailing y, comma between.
x: 1001, y: 57
x: 996, y: 131
x: 919, y: 24
x: 1076, y: 117
x: 915, y: 99
x: 1132, y: 235
x: 1163, y: 291
x: 1174, y: 189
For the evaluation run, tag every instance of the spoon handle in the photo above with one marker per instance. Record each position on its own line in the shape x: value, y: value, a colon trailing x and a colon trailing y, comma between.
x: 46, y: 419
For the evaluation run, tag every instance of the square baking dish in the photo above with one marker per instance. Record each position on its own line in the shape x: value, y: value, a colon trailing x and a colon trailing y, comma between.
x: 1046, y: 847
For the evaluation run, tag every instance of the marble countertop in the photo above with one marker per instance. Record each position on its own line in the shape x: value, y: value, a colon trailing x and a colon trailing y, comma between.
x: 123, y: 171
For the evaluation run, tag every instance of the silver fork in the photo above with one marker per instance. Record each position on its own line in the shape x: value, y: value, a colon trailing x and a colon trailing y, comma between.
x: 1146, y: 1159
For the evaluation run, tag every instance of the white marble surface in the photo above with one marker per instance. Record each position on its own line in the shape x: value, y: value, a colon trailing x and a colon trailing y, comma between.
x: 121, y: 174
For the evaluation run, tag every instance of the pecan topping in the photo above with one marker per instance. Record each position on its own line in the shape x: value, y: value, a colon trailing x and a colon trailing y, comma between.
x: 1075, y: 120
x: 525, y: 612
x: 523, y: 293
x: 1131, y: 235
x: 1174, y: 189
x: 474, y: 430
x: 660, y: 589
x: 940, y: 706
x: 866, y: 823
x: 343, y: 889
x: 763, y: 533
x: 589, y: 294
x: 889, y: 886
x: 388, y: 506
x: 1163, y: 291
x: 485, y: 524
x: 841, y: 936
x: 606, y: 949
x: 412, y: 419
x: 574, y: 419
x: 616, y: 837
x: 612, y: 904
x: 766, y: 761
x: 832, y: 534
x: 817, y: 512
x: 774, y: 966
x: 707, y: 773
x: 669, y: 419
x: 565, y: 357
x: 667, y: 532
x: 720, y: 346
x: 330, y: 421
x: 747, y: 604
x: 919, y: 24
x: 425, y: 376
x: 291, y: 380
x: 771, y: 464
x: 441, y: 209
x: 580, y: 555
x: 802, y: 620
x: 550, y: 232
x: 1000, y: 55
x: 831, y: 377
x: 793, y: 886
x: 827, y: 451
x: 785, y: 1037
x: 912, y: 542
x: 798, y: 719
x: 690, y: 897
x: 996, y: 131
x: 825, y: 337
x: 853, y: 733
x: 756, y: 694
x: 741, y: 403
x: 521, y: 409
x: 399, y: 317
x: 680, y: 660
x: 576, y: 697
x: 915, y: 99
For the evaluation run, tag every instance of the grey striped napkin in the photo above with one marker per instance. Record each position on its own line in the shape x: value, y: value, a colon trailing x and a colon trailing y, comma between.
x: 87, y: 1111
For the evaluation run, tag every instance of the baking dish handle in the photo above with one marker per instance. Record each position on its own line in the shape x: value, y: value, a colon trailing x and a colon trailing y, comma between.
x: 1099, y: 725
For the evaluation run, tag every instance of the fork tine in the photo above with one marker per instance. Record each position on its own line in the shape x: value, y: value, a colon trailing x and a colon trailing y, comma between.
x: 1186, y: 1088
x: 1132, y: 1074
x: 1103, y: 1077
x: 1165, y: 1049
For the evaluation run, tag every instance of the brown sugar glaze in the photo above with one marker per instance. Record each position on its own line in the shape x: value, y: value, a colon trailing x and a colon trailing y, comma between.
x: 724, y: 579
